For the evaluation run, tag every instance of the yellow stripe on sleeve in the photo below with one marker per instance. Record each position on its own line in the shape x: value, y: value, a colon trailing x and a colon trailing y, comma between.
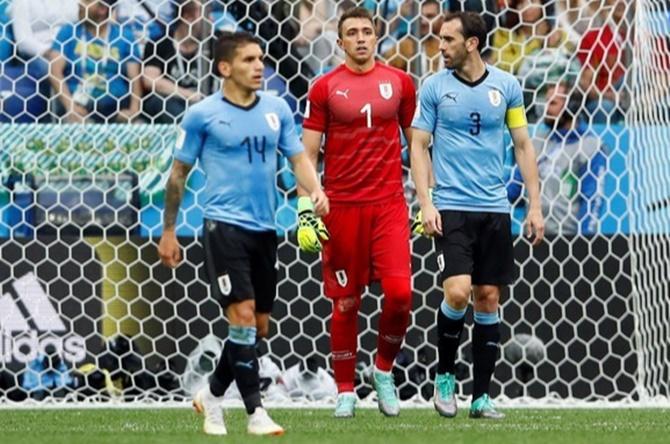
x: 516, y: 117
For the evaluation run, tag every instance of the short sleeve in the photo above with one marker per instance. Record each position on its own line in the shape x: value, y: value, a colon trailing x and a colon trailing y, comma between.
x: 515, y: 116
x: 407, y: 102
x: 426, y: 111
x: 135, y: 55
x: 289, y: 142
x: 190, y: 138
x: 65, y: 33
x: 316, y: 111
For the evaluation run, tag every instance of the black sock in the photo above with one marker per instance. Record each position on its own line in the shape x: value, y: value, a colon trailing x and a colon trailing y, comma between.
x: 244, y: 364
x: 223, y: 374
x: 485, y: 341
x: 449, y: 332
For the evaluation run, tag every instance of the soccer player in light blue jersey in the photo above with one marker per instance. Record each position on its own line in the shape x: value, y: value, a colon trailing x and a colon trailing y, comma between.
x: 235, y: 135
x: 465, y: 109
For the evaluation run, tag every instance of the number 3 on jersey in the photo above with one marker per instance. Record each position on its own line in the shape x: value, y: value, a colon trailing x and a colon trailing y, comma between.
x: 367, y: 110
x: 476, y: 123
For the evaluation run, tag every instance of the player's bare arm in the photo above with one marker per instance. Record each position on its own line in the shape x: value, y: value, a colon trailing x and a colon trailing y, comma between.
x: 408, y: 137
x: 422, y: 174
x: 305, y: 173
x: 311, y: 140
x: 168, y: 247
x: 524, y: 152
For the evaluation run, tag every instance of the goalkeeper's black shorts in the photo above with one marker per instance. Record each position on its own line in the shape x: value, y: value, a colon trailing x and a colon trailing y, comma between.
x: 241, y: 264
x: 478, y: 244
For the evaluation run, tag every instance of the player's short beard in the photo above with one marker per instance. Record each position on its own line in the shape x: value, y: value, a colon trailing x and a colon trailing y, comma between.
x: 457, y: 60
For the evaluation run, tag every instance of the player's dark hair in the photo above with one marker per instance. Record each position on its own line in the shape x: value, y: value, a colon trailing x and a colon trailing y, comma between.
x: 356, y: 12
x: 472, y: 25
x: 227, y: 44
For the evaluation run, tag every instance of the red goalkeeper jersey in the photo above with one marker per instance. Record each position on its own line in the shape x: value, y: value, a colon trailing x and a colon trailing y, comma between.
x: 361, y: 116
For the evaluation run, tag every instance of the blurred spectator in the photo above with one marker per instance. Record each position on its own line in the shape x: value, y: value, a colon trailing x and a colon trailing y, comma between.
x: 602, y: 53
x: 488, y: 9
x: 36, y: 23
x: 555, y: 61
x: 148, y: 19
x: 47, y: 375
x: 95, y: 68
x: 316, y: 42
x: 145, y: 10
x: 394, y: 20
x: 406, y: 54
x: 523, y: 32
x: 177, y: 68
x: 571, y: 163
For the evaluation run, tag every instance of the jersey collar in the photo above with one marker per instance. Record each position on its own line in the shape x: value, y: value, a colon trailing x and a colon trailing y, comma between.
x: 469, y: 83
x: 244, y: 108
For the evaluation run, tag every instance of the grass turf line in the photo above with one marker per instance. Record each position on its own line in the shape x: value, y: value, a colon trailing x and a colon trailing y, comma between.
x: 420, y: 426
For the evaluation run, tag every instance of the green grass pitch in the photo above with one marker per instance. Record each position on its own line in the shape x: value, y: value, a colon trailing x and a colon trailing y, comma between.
x: 167, y: 426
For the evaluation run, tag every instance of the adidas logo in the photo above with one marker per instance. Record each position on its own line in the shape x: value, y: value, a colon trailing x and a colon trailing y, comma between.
x: 30, y: 314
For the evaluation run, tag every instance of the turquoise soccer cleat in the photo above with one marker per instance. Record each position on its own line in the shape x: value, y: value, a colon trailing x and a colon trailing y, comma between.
x: 445, y: 395
x: 483, y: 408
x: 346, y: 405
x: 387, y: 397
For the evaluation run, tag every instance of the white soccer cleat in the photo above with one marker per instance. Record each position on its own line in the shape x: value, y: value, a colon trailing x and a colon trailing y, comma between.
x: 260, y: 423
x: 206, y: 404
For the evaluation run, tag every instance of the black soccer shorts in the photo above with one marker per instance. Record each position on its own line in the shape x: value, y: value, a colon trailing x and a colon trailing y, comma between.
x: 478, y: 244
x: 241, y: 264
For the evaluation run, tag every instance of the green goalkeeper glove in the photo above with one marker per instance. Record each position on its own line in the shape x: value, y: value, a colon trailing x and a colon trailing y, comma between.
x: 311, y: 230
x: 417, y: 224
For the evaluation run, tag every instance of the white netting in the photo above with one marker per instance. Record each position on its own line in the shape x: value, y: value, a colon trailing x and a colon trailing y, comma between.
x: 86, y: 311
x: 650, y: 183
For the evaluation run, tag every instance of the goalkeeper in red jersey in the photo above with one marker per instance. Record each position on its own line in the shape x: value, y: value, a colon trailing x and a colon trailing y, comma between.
x: 360, y: 107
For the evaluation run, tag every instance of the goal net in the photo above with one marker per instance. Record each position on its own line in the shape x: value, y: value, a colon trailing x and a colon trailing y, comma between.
x: 88, y: 124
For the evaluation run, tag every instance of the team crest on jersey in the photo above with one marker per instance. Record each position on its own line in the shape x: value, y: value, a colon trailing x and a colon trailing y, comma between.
x: 342, y: 279
x: 386, y: 90
x: 273, y: 121
x: 181, y: 137
x: 225, y: 286
x: 494, y: 97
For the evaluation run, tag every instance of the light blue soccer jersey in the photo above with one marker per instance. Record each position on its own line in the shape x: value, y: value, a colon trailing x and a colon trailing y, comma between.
x: 467, y: 121
x: 237, y: 149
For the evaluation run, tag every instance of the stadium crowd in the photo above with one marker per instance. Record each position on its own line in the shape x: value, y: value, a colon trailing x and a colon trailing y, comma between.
x: 148, y: 60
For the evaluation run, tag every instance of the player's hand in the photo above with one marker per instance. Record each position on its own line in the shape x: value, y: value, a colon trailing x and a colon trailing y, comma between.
x: 320, y: 202
x: 417, y: 224
x: 168, y: 249
x: 311, y: 230
x: 431, y: 220
x: 535, y: 226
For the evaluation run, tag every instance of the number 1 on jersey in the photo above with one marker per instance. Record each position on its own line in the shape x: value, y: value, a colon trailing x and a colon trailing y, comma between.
x: 367, y: 110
